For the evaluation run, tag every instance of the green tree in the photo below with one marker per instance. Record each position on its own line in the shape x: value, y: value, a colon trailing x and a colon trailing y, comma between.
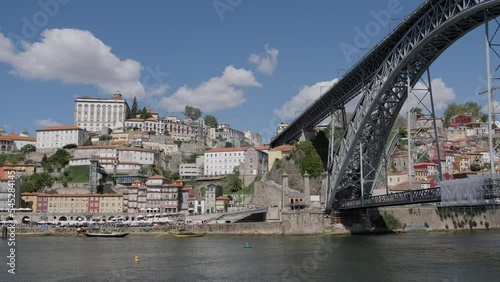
x: 87, y: 142
x: 233, y: 181
x: 59, y: 159
x: 144, y: 113
x: 135, y: 108
x: 229, y: 145
x: 192, y: 112
x: 105, y: 137
x: 321, y: 143
x: 46, y: 165
x: 211, y: 121
x: 28, y: 148
x: 475, y: 167
x: 402, y: 132
x: 37, y: 182
x: 311, y: 162
x: 471, y: 108
x: 417, y: 111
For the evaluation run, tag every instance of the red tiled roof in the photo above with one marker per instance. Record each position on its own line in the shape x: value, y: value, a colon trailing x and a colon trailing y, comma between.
x: 62, y: 127
x: 157, y: 177
x: 283, y: 148
x: 222, y: 198
x: 218, y: 150
x: 97, y: 147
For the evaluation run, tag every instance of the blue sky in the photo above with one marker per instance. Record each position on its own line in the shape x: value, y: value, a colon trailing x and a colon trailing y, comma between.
x: 249, y: 63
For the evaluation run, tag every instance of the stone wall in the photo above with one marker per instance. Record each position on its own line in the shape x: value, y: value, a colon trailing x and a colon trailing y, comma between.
x: 430, y: 217
x: 304, y: 222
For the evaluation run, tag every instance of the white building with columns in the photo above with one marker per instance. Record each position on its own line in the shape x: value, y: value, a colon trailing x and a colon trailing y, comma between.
x: 92, y: 114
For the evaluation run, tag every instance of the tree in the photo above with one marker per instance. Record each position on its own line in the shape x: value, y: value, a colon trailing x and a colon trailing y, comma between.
x: 59, y: 159
x: 229, y: 145
x: 475, y: 167
x: 135, y: 108
x: 321, y: 143
x: 28, y: 148
x: 37, y: 182
x: 105, y: 137
x: 471, y: 108
x: 192, y: 112
x: 47, y: 166
x: 144, y: 113
x: 233, y: 180
x: 402, y: 132
x: 87, y: 142
x: 417, y: 111
x: 70, y: 146
x: 211, y: 121
x: 311, y: 163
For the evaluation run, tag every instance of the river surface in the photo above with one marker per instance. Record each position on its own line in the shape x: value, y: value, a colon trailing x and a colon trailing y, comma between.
x: 434, y: 256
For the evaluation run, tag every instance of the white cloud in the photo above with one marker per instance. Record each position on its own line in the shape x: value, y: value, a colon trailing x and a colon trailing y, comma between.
x: 217, y: 93
x: 266, y: 62
x: 46, y: 122
x: 74, y: 56
x: 306, y: 96
x: 441, y: 93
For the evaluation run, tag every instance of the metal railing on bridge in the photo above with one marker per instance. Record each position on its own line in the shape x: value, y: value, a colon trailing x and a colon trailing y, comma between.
x: 395, y: 199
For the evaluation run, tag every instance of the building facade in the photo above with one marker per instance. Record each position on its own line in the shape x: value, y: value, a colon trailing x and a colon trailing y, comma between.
x: 59, y: 136
x: 13, y: 142
x: 190, y: 170
x: 74, y: 203
x: 92, y: 114
x: 222, y: 161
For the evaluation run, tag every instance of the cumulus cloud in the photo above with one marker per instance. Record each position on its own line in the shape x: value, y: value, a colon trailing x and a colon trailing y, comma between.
x: 306, y: 96
x: 217, y: 93
x: 46, y: 122
x: 74, y: 56
x: 267, y: 61
x: 441, y: 93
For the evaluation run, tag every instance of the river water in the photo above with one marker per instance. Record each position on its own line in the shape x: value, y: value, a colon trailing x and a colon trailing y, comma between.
x: 433, y: 256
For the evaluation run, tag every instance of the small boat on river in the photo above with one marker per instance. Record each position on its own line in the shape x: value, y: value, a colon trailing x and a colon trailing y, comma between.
x: 105, y: 234
x: 187, y: 234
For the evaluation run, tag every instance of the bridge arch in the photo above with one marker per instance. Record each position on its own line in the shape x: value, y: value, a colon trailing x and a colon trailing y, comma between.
x: 381, y: 79
x: 440, y: 24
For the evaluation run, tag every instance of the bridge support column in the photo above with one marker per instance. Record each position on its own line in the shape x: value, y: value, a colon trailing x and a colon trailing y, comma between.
x: 338, y: 123
x: 307, y: 190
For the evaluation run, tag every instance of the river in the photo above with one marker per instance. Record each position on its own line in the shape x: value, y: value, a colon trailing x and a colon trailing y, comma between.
x: 433, y: 256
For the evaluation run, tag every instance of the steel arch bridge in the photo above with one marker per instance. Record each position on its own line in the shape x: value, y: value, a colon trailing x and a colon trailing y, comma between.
x: 382, y: 79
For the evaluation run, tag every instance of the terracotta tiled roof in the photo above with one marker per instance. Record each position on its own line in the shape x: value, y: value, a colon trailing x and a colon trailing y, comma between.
x: 283, y: 148
x: 71, y: 195
x: 97, y: 147
x: 63, y: 127
x: 157, y: 177
x: 219, y: 150
x: 16, y: 137
x: 222, y: 198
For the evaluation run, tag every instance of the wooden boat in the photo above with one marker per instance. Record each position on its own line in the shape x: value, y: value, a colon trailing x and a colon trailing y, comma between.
x: 187, y: 234
x: 105, y: 235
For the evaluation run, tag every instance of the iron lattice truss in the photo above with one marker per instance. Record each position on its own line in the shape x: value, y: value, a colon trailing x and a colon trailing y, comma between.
x: 381, y: 78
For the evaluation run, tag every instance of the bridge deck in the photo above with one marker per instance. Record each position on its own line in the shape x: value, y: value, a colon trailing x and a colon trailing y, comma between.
x: 396, y: 199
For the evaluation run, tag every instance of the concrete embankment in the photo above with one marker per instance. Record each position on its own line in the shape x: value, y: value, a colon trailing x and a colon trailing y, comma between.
x: 294, y: 223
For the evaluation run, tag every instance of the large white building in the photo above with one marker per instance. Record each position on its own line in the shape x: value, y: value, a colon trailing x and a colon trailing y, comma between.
x: 59, y: 136
x: 92, y: 114
x: 223, y: 160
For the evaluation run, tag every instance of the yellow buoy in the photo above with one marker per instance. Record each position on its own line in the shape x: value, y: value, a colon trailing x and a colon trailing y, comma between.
x: 136, y: 259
